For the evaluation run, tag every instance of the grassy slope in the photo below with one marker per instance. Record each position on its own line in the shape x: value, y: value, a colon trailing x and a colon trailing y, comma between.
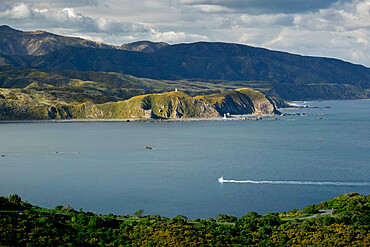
x: 51, y: 94
x: 165, y: 105
x: 79, y: 102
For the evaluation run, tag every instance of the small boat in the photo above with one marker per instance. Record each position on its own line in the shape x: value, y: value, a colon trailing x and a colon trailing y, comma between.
x: 221, y: 179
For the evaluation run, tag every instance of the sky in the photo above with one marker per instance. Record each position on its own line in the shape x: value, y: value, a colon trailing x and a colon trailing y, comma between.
x: 325, y: 28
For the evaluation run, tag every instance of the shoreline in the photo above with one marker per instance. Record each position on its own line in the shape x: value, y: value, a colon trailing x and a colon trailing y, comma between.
x: 236, y: 117
x: 88, y: 120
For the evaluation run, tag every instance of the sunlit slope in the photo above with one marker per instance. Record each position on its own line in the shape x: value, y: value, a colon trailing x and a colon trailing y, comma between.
x: 16, y: 42
x: 28, y: 103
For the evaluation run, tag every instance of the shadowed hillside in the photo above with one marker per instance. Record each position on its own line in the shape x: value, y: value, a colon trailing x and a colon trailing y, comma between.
x: 278, y: 74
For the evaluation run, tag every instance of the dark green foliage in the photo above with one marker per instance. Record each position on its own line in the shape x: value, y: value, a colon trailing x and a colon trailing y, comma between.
x: 226, y: 218
x: 14, y: 199
x: 66, y: 209
x: 31, y: 228
x: 311, y: 209
x: 35, y: 229
x: 181, y: 219
x: 139, y: 213
x: 353, y: 207
x: 13, y: 202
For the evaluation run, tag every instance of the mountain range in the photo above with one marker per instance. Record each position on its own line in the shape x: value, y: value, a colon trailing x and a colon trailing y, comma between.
x: 41, y: 59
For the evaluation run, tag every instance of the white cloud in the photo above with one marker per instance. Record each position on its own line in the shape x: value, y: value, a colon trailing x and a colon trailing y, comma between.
x: 266, y: 6
x: 19, y: 11
x: 341, y: 31
x: 67, y: 18
x: 340, y: 17
x: 265, y: 20
x: 212, y: 8
x: 175, y: 37
x: 56, y: 3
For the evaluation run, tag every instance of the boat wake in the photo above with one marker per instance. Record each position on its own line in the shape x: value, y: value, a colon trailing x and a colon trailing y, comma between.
x: 289, y: 182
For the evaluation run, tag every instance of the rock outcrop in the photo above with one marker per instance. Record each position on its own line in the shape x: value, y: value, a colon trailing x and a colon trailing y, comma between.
x: 241, y: 101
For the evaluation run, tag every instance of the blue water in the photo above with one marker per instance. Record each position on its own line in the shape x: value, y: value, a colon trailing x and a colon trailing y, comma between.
x: 104, y: 167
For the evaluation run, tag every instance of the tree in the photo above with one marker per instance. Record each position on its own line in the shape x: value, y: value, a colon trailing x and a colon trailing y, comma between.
x: 180, y: 219
x: 15, y: 199
x: 139, y: 213
x: 226, y: 218
x: 310, y: 209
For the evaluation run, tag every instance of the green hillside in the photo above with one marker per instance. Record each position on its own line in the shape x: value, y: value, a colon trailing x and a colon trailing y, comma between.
x: 91, y: 100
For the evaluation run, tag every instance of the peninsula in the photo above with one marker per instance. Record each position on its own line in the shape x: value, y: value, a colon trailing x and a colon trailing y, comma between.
x: 31, y: 103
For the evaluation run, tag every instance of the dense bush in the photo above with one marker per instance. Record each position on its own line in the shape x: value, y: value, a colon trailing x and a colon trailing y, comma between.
x: 13, y: 202
x: 28, y: 227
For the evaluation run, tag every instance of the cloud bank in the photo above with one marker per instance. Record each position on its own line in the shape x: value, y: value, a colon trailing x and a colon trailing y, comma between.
x: 265, y: 6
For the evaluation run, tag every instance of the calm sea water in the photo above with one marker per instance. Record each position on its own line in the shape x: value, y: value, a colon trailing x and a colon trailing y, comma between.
x: 104, y: 167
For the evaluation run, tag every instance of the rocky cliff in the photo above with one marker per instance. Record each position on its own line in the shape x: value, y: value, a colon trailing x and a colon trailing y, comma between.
x: 240, y: 101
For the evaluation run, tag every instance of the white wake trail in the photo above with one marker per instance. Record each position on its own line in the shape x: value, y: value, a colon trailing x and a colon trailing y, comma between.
x: 222, y: 180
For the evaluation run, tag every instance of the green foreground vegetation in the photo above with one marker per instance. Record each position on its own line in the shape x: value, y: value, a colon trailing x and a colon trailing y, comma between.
x: 22, y: 224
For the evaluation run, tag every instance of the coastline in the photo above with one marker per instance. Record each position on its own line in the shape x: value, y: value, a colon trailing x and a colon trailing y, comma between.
x: 294, y: 105
x: 88, y: 120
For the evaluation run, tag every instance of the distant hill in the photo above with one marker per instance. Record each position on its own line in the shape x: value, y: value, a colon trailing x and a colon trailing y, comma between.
x: 143, y: 46
x: 280, y: 74
x: 15, y: 42
x: 291, y: 77
x: 207, y: 61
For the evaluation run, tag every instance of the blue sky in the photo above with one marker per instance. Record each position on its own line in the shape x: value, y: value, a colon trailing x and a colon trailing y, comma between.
x: 330, y: 28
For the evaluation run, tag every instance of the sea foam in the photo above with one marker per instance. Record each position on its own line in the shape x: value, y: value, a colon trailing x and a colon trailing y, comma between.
x: 292, y: 182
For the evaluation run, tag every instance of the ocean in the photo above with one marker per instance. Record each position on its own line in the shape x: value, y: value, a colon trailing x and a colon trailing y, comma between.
x: 104, y: 167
